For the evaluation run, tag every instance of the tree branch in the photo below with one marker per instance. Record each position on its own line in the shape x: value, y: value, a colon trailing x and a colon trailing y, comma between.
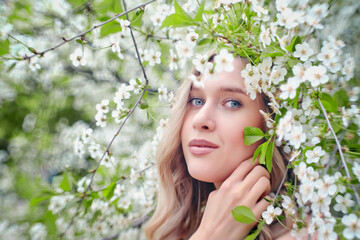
x: 339, y: 149
x: 87, y: 31
x: 125, y: 119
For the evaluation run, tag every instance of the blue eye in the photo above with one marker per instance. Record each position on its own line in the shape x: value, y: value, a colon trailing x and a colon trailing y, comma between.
x: 233, y: 103
x: 196, y: 101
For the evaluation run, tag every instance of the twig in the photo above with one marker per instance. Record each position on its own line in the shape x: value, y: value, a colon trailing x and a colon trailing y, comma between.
x: 282, y: 182
x: 125, y: 119
x: 87, y: 31
x: 339, y: 148
x: 333, y: 154
x: 136, y: 49
x: 124, y: 178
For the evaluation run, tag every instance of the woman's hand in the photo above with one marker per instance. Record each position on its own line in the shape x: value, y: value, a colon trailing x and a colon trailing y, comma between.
x: 247, y: 185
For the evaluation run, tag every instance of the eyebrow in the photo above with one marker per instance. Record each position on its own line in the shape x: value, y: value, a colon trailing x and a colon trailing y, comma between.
x: 222, y: 89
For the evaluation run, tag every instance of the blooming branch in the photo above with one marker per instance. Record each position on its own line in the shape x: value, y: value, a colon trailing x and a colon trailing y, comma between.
x: 339, y: 148
x: 36, y: 53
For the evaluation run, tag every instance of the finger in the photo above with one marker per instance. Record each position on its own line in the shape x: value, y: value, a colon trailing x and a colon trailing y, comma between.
x: 260, y: 207
x: 252, y: 178
x: 260, y: 189
x: 242, y: 170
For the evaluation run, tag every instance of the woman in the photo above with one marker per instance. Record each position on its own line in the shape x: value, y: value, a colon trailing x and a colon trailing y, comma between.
x: 203, y: 162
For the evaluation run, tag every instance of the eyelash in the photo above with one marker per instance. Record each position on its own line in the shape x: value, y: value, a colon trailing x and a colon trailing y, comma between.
x: 239, y: 104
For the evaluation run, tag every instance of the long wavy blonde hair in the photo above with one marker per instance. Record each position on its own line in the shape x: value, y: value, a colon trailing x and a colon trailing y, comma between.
x: 181, y: 198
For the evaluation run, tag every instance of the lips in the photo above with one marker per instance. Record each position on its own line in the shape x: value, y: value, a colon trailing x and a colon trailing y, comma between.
x: 201, y: 147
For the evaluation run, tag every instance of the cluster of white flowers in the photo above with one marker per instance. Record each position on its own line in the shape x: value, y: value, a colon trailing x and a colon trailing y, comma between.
x: 58, y: 202
x: 38, y: 231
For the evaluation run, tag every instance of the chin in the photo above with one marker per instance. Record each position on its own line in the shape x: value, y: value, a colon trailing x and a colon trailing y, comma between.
x: 206, y: 175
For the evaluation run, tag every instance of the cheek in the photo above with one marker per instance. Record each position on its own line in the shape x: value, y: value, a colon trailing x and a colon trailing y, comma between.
x: 185, y: 128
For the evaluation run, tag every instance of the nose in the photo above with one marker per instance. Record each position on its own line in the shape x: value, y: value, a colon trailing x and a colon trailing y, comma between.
x: 204, y: 118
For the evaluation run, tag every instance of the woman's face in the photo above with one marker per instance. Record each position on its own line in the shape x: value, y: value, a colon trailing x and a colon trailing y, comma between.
x: 212, y: 133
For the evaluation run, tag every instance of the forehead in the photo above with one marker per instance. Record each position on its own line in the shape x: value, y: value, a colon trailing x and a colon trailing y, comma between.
x: 226, y: 79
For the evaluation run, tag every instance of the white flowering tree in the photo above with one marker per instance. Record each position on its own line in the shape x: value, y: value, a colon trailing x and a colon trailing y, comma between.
x: 86, y: 86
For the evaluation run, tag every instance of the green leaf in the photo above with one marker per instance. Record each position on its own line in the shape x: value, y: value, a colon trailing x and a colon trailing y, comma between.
x: 79, y: 41
x: 328, y: 102
x: 108, y: 5
x: 110, y: 28
x: 341, y: 97
x: 269, y: 155
x: 39, y: 199
x: 180, y: 11
x: 272, y: 54
x: 256, y: 233
x: 296, y: 40
x: 33, y: 50
x: 4, y: 47
x: 175, y: 20
x: 11, y: 67
x: 65, y: 183
x: 144, y: 105
x: 256, y: 153
x: 198, y: 16
x: 272, y: 51
x: 76, y: 3
x: 137, y: 18
x: 109, y: 191
x: 264, y: 147
x: 252, y: 135
x: 204, y: 41
x: 292, y: 62
x: 243, y: 214
x: 179, y: 19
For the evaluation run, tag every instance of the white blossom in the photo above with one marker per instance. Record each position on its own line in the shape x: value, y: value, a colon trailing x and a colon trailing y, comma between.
x: 121, y: 94
x: 85, y: 137
x: 352, y: 223
x: 320, y: 203
x: 316, y: 75
x: 135, y: 86
x: 288, y: 18
x: 307, y: 190
x: 271, y: 213
x: 265, y: 36
x: 326, y: 232
x: 313, y: 156
x: 288, y: 204
x: 303, y: 51
x: 152, y: 56
x: 343, y: 203
x: 192, y: 36
x: 184, y: 49
x: 162, y: 93
x: 356, y: 169
x: 103, y: 106
x: 38, y: 231
x: 173, y: 65
x: 224, y: 61
x: 296, y: 137
x: 100, y: 118
x: 288, y: 90
x: 78, y: 57
x: 200, y: 62
x: 95, y: 150
x: 277, y: 74
x: 58, y: 202
x: 124, y: 24
x: 198, y: 81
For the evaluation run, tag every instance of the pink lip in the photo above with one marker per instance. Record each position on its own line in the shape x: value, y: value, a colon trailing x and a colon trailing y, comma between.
x: 201, y: 147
